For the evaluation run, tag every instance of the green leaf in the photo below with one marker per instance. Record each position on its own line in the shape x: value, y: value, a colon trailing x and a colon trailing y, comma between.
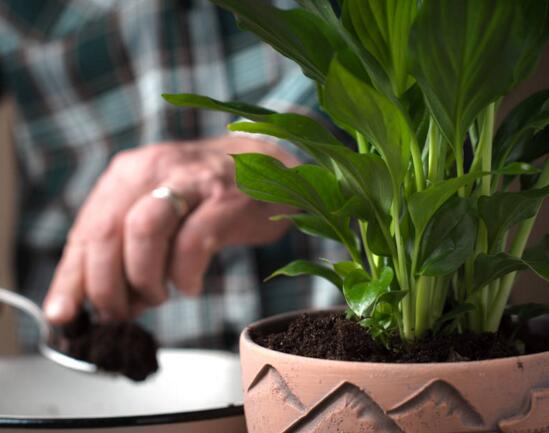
x: 291, y: 126
x: 308, y: 187
x: 265, y: 178
x: 324, y: 183
x: 357, y: 207
x: 234, y: 107
x: 528, y: 173
x: 298, y: 34
x: 366, y: 174
x: 303, y: 131
x: 328, y: 188
x: 414, y: 103
x: 449, y: 238
x: 362, y: 295
x: 383, y: 27
x: 356, y: 277
x: 358, y: 53
x: 458, y: 45
x: 502, y: 210
x: 489, y: 268
x: 322, y: 8
x: 422, y: 205
x: 537, y: 258
x: 518, y: 169
x: 305, y: 267
x: 376, y: 240
x: 353, y: 102
x: 343, y: 269
x: 392, y: 298
x: 519, y: 127
x: 311, y: 225
x: 533, y: 41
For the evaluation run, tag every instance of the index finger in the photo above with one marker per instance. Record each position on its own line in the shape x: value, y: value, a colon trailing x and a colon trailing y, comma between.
x: 83, y: 267
x: 66, y: 293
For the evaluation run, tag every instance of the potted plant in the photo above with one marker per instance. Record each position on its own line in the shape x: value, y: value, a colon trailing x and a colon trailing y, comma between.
x: 417, y: 85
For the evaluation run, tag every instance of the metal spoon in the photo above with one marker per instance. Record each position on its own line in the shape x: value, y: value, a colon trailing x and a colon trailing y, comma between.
x: 15, y: 300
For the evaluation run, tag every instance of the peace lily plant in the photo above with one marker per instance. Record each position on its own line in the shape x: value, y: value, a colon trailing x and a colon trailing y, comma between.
x: 423, y: 200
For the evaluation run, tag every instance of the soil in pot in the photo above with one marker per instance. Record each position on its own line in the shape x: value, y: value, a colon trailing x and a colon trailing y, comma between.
x: 119, y: 347
x: 332, y: 336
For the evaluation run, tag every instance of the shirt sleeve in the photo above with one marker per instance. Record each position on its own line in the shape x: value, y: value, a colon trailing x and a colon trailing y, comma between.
x: 85, y: 93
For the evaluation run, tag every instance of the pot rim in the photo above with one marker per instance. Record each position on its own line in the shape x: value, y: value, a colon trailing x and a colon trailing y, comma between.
x: 245, y: 338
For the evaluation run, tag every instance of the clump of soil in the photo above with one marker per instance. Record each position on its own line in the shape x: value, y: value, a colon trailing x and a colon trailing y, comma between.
x: 121, y: 347
x: 332, y: 336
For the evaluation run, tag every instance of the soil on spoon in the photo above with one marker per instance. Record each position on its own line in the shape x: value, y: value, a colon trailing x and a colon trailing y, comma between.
x: 332, y: 336
x: 120, y: 347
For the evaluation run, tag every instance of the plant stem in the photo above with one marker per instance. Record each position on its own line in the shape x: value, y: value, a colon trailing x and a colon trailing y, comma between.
x: 433, y: 152
x: 363, y: 225
x: 402, y: 273
x: 440, y: 294
x: 485, y: 144
x: 484, y: 148
x: 426, y: 294
x: 418, y: 164
x: 517, y: 248
x: 361, y: 143
x: 423, y: 305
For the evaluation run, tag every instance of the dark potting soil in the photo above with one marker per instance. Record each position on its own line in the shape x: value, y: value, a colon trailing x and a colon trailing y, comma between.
x: 121, y: 347
x: 332, y: 336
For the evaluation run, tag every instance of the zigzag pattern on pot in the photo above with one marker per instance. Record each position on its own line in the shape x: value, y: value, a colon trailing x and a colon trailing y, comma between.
x: 347, y: 409
x: 536, y: 417
x: 438, y: 407
x: 277, y: 385
x: 269, y: 386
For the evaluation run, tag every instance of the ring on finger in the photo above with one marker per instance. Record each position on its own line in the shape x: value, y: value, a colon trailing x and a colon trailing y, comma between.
x: 176, y: 200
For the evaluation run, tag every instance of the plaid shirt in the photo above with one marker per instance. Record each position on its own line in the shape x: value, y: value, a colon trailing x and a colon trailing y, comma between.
x: 86, y: 76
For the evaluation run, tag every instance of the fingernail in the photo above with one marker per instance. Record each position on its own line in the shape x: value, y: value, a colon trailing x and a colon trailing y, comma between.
x: 59, y: 309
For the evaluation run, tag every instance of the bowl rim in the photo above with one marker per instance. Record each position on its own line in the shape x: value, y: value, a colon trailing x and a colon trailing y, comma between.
x: 122, y: 421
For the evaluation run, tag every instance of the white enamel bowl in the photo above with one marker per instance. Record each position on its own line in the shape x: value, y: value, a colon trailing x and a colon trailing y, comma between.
x: 194, y: 391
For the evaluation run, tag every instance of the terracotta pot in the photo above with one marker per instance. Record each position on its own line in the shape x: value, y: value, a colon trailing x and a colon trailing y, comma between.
x: 288, y: 393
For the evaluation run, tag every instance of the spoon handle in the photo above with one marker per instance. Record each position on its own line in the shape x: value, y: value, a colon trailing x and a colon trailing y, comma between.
x: 15, y: 300
x: 18, y: 301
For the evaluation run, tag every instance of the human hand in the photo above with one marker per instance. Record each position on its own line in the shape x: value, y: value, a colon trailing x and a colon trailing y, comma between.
x: 126, y: 244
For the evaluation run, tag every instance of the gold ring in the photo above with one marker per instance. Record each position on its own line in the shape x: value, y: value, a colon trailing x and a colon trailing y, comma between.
x: 177, y: 201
